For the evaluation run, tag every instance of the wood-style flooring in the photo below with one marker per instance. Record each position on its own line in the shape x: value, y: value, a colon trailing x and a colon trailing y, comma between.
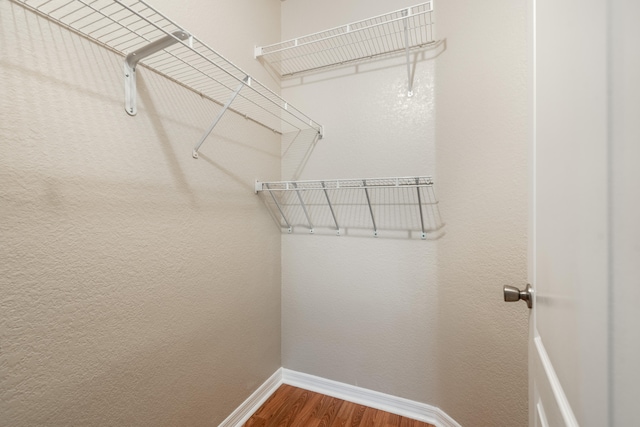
x: 294, y: 407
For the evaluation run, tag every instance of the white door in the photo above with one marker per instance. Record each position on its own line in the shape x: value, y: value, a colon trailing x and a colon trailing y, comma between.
x: 584, y: 254
x: 568, y: 255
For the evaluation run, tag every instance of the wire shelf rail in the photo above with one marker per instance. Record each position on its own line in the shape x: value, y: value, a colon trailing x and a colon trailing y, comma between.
x: 403, y: 29
x: 397, y: 203
x: 135, y: 29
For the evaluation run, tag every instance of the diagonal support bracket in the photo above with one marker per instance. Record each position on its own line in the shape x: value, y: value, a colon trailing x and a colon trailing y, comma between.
x: 405, y: 22
x: 259, y: 187
x: 246, y: 81
x: 304, y: 207
x: 132, y: 59
x: 373, y: 218
x: 333, y: 214
x: 424, y: 234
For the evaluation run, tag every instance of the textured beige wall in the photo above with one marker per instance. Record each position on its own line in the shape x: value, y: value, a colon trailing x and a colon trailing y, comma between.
x: 420, y: 319
x: 138, y: 286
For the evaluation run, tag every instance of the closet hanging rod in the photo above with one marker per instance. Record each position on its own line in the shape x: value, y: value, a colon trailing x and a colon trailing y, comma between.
x: 126, y: 26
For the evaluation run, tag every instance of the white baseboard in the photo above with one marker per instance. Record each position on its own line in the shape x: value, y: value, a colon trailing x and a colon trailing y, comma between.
x: 253, y: 402
x: 374, y: 399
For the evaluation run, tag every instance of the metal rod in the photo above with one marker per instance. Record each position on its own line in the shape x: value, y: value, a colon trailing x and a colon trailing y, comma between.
x: 373, y: 220
x: 424, y: 235
x: 278, y: 205
x: 304, y: 207
x: 406, y: 48
x: 218, y: 117
x: 326, y: 194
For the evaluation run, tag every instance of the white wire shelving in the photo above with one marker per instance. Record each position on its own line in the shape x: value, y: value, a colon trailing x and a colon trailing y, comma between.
x: 407, y: 204
x: 134, y: 29
x: 403, y: 29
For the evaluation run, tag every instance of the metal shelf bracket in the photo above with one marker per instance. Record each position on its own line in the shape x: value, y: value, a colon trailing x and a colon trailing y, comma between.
x: 405, y: 23
x: 286, y: 221
x: 246, y: 81
x: 132, y: 59
x: 333, y: 214
x: 304, y: 207
x: 423, y: 235
x: 373, y: 219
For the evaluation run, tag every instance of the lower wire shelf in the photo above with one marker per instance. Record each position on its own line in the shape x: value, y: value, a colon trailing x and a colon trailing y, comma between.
x: 405, y: 205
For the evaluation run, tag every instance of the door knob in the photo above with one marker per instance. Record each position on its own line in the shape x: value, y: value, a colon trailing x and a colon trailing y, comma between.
x: 511, y: 293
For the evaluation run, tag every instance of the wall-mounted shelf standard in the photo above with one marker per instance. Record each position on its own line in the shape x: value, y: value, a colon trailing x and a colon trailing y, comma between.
x: 399, y: 203
x: 152, y: 39
x: 400, y: 30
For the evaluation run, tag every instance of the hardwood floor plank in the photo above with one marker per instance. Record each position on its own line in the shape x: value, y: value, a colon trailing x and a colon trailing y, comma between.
x: 356, y: 416
x: 283, y: 415
x: 350, y: 415
x: 343, y: 419
x: 295, y: 407
x: 325, y: 403
x: 326, y: 413
x: 307, y: 412
x: 331, y: 413
x: 392, y: 420
x: 256, y: 422
x: 372, y: 418
x: 292, y: 411
x: 274, y: 401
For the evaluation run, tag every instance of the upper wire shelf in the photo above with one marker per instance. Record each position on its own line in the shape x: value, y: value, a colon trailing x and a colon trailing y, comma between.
x: 402, y: 29
x: 132, y: 26
x: 406, y: 204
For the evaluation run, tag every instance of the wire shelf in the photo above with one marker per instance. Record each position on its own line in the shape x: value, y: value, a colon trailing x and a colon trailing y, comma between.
x: 126, y: 26
x: 407, y: 204
x: 408, y: 28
